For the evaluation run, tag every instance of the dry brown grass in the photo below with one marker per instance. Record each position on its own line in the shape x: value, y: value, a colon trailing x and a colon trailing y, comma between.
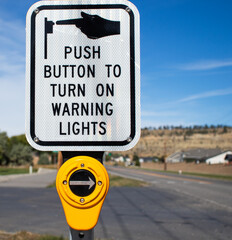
x: 23, y: 235
x: 117, y: 181
x: 19, y: 236
x: 165, y: 142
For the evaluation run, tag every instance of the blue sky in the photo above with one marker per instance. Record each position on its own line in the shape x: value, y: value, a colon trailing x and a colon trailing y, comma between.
x: 186, y: 62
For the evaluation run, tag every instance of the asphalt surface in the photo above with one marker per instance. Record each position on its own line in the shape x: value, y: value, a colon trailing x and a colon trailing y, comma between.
x: 163, y: 211
x: 211, y: 191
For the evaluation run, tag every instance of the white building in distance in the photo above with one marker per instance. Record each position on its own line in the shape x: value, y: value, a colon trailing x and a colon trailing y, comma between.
x: 220, y: 158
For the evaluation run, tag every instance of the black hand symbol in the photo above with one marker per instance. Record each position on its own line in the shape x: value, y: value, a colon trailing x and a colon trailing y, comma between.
x: 93, y: 26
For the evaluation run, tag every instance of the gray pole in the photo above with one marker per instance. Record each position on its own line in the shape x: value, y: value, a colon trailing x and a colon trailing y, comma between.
x: 76, y: 235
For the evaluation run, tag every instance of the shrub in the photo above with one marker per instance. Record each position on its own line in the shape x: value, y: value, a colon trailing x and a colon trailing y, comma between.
x: 43, y: 159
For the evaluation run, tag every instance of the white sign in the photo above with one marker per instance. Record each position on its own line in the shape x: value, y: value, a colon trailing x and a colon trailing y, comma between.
x: 83, y: 75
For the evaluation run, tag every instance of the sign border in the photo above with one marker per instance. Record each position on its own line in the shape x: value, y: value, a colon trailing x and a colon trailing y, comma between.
x: 132, y: 78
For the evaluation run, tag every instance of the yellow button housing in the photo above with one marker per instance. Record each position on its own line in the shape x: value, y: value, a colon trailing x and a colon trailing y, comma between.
x: 82, y: 212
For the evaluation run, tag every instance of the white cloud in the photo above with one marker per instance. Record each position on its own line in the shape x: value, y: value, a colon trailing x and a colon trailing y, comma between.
x: 205, y: 65
x: 11, y: 64
x: 12, y: 32
x: 12, y: 49
x: 215, y: 93
x: 158, y: 113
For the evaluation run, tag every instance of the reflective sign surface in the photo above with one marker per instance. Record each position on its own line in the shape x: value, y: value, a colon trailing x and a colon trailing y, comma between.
x: 83, y: 75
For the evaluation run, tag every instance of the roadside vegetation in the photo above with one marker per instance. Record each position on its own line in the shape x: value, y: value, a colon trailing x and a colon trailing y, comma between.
x: 215, y: 176
x: 23, y: 235
x: 9, y: 171
x: 155, y: 143
x: 15, y: 151
x: 117, y: 181
x: 204, y: 175
x: 165, y: 140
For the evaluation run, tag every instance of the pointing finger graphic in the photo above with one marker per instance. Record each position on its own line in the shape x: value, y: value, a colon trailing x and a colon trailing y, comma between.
x: 93, y: 26
x: 78, y: 22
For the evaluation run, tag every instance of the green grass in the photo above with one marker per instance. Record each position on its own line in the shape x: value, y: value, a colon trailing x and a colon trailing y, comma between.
x: 213, y: 176
x: 52, y: 185
x: 117, y: 181
x: 8, y: 171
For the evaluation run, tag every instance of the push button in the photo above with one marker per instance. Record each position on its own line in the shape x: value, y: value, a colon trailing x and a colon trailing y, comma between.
x: 82, y: 183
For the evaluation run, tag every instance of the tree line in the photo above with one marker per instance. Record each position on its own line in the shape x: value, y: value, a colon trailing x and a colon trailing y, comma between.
x: 14, y: 150
x: 194, y: 127
x: 186, y: 131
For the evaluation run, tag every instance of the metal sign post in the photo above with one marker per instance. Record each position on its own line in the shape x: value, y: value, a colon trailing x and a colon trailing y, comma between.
x: 82, y: 95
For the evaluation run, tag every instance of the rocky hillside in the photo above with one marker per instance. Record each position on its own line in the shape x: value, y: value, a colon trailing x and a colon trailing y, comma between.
x: 167, y: 140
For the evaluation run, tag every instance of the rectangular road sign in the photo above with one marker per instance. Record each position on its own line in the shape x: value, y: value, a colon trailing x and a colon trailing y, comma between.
x: 83, y: 75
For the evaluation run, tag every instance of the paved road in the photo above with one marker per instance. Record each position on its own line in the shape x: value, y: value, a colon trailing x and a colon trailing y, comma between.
x: 211, y: 191
x: 160, y: 211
